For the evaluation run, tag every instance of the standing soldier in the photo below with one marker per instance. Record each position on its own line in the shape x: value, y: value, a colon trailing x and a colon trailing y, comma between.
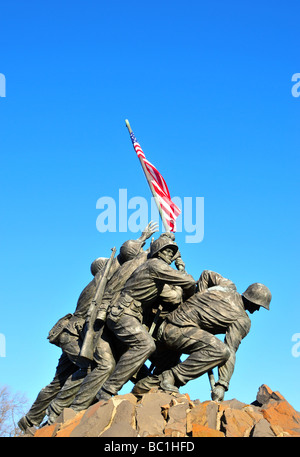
x: 107, y: 350
x: 148, y: 285
x: 68, y: 332
x: 80, y: 394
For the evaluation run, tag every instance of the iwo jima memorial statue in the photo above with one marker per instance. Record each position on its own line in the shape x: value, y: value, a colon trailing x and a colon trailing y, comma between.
x: 138, y: 308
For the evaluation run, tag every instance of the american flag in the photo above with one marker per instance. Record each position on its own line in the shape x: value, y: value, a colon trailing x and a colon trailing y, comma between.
x: 169, y: 209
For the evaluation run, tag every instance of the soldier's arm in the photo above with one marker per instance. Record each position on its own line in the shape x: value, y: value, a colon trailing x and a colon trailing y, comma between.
x: 161, y: 271
x: 151, y: 228
x: 171, y: 295
x: 234, y: 335
x: 210, y: 278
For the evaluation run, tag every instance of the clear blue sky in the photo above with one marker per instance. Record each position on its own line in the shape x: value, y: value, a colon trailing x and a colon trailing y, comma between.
x: 207, y: 89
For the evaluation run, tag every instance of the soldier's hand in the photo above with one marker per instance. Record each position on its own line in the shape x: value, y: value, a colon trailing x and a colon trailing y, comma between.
x: 151, y: 228
x: 180, y: 265
x: 218, y: 393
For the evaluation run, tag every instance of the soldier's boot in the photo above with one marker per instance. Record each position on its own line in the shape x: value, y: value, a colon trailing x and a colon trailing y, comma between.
x: 52, y: 415
x: 103, y: 395
x: 168, y: 381
x: 27, y: 426
x: 145, y: 384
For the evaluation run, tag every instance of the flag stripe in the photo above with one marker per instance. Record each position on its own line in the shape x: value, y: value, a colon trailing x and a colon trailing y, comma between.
x: 174, y: 208
x: 168, y: 207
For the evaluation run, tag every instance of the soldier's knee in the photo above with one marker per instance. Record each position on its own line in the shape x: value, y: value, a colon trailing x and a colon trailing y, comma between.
x: 107, y: 364
x: 225, y: 353
x: 148, y: 343
x: 110, y: 365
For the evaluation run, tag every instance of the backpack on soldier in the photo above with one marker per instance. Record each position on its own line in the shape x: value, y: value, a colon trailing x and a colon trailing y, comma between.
x: 58, y: 328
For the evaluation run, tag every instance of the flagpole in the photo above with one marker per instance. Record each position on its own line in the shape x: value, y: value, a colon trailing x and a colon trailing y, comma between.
x: 150, y: 185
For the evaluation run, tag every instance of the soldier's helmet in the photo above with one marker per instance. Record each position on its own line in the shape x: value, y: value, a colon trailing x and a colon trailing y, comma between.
x: 98, y: 265
x: 164, y: 241
x: 259, y: 294
x: 130, y: 249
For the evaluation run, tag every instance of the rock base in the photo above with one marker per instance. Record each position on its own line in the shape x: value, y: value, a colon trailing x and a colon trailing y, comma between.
x: 163, y: 414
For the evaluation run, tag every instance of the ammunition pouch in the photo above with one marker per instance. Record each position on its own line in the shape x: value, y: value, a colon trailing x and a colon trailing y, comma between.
x: 57, y: 329
x: 103, y: 311
x: 124, y: 303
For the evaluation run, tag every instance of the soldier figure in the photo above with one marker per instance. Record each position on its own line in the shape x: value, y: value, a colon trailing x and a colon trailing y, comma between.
x: 153, y: 281
x: 70, y: 367
x: 215, y: 308
x: 79, y: 395
x: 107, y: 349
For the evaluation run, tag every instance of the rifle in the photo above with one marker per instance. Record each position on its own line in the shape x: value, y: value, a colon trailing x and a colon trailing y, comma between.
x: 211, y: 379
x: 87, y: 349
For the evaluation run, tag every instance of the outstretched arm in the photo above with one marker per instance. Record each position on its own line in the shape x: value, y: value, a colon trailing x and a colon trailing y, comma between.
x: 151, y: 228
x: 210, y: 278
x: 234, y: 335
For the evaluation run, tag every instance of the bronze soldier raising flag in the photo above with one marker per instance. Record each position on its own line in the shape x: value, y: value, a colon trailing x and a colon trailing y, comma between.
x: 139, y: 308
x: 144, y: 289
x: 71, y: 369
x: 216, y: 308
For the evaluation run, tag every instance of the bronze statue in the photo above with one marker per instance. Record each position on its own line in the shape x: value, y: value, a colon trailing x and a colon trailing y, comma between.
x: 107, y: 349
x: 138, y: 308
x: 79, y: 394
x: 70, y: 337
x: 153, y: 281
x: 140, y: 282
x: 216, y: 308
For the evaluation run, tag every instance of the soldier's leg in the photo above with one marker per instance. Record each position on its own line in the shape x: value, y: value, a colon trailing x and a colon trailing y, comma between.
x: 66, y: 395
x: 140, y: 345
x: 37, y: 411
x: 72, y: 346
x: 104, y: 359
x: 205, y: 352
x: 162, y: 359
